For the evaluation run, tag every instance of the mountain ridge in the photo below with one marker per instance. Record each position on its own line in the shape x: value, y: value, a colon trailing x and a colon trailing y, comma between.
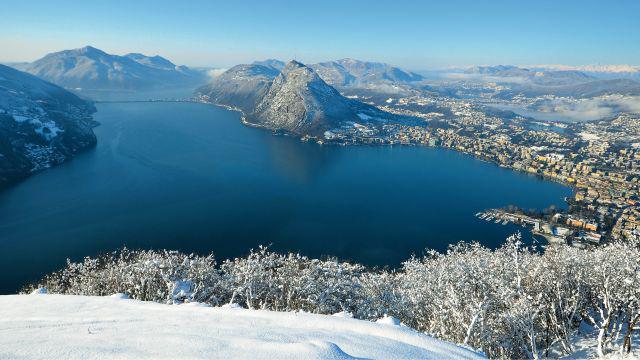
x: 41, y: 124
x: 295, y: 100
x: 565, y: 82
x: 93, y: 69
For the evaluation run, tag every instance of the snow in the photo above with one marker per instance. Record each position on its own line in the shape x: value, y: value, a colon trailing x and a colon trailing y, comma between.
x: 115, y: 296
x: 586, y: 345
x: 47, y: 130
x: 45, y: 326
x: 329, y: 135
x: 343, y: 314
x: 588, y: 136
x: 388, y: 320
x: 364, y: 116
x: 181, y: 289
x: 20, y: 118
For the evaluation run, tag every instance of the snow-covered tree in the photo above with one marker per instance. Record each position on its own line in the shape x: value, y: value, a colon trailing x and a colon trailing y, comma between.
x: 512, y: 302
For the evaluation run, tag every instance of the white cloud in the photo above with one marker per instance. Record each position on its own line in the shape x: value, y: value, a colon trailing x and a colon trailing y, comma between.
x: 621, y: 68
x: 213, y: 73
x: 591, y: 109
x: 486, y: 78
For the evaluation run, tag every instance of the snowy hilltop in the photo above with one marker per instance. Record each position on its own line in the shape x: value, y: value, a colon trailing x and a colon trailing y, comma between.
x: 293, y: 99
x: 41, y: 124
x: 351, y: 74
x: 86, y: 327
x: 89, y: 68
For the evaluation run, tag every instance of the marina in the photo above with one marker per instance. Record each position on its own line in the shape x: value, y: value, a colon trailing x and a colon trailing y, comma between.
x: 559, y: 229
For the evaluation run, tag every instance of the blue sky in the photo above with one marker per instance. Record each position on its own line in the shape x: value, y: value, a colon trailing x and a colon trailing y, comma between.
x: 414, y: 34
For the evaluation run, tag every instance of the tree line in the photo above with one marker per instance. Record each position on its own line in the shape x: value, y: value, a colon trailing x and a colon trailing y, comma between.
x: 512, y: 302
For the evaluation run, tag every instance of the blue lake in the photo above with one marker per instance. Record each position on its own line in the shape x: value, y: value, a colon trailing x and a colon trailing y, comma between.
x: 191, y: 177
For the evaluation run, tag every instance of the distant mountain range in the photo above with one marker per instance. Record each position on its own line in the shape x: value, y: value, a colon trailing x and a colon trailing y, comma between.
x: 295, y: 99
x: 355, y: 77
x: 89, y: 68
x: 272, y: 63
x: 349, y: 74
x: 536, y: 82
x: 556, y: 77
x: 356, y: 73
x: 41, y: 124
x: 600, y: 71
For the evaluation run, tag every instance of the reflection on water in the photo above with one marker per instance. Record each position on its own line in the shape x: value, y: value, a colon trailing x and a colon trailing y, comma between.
x: 298, y: 161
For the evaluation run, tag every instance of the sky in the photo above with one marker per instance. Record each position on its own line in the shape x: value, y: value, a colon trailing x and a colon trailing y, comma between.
x: 417, y: 35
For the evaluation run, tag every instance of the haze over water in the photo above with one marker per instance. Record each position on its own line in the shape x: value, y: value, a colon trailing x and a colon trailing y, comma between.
x: 191, y: 177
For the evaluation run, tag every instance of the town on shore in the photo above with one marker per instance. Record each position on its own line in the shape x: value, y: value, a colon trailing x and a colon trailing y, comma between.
x: 599, y: 160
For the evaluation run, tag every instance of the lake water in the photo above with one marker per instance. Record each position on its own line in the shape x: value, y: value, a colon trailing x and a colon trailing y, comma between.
x: 191, y: 177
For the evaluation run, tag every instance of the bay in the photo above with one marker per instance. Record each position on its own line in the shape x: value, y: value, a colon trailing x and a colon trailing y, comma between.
x: 191, y: 177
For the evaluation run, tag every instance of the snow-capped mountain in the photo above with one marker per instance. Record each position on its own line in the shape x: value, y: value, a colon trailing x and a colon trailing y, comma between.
x: 41, y: 124
x: 157, y: 61
x: 541, y: 77
x: 296, y: 100
x: 566, y: 82
x: 498, y: 70
x: 352, y: 76
x: 356, y: 74
x: 274, y: 63
x: 89, y: 68
x: 623, y: 71
x: 242, y: 86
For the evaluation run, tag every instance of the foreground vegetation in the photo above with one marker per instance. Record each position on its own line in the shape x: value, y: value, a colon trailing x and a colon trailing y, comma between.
x: 513, y: 302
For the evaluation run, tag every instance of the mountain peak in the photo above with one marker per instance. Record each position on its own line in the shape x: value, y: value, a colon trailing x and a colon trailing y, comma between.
x: 296, y: 100
x: 274, y: 63
x: 349, y: 72
x: 293, y: 64
x: 89, y: 50
x: 90, y: 68
x: 155, y: 61
x: 349, y: 61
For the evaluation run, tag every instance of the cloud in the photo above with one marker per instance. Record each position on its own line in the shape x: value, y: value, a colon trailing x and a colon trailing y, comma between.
x: 486, y: 78
x: 213, y: 73
x: 590, y: 109
x: 621, y: 68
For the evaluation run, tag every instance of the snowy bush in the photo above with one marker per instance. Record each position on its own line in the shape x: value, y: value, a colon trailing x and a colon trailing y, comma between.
x: 512, y: 302
x: 163, y: 276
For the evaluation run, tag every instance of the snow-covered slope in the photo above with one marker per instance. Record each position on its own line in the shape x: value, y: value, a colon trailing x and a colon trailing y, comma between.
x: 351, y: 72
x: 242, y: 86
x: 41, y: 124
x: 273, y: 63
x: 93, y: 69
x: 81, y: 327
x: 294, y: 99
x: 301, y: 102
